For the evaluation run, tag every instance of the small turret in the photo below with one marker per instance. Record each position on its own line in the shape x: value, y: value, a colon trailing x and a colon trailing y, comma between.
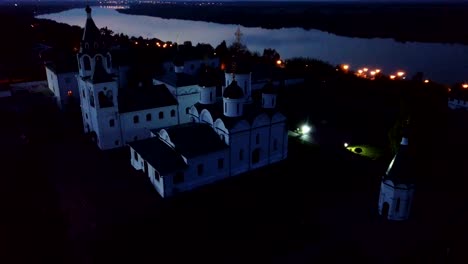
x: 207, y: 88
x: 397, y: 187
x: 233, y: 99
x: 269, y: 94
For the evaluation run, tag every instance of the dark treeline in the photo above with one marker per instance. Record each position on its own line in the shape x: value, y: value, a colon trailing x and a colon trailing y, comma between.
x: 434, y: 22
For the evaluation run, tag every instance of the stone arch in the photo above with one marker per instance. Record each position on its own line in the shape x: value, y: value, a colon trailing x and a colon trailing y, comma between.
x: 221, y: 130
x: 205, y: 117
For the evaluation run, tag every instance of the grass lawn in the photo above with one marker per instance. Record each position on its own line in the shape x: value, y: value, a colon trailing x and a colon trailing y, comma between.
x: 368, y: 151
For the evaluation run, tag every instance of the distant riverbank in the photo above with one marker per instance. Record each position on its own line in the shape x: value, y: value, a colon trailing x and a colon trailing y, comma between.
x: 434, y: 23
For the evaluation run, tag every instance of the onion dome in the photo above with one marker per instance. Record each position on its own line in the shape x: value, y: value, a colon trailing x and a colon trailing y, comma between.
x: 233, y: 91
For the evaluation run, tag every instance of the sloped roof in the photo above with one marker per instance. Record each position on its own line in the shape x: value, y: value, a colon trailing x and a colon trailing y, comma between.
x: 400, y: 168
x: 100, y: 75
x: 91, y: 31
x: 146, y: 97
x: 178, y: 79
x: 194, y: 139
x: 159, y: 155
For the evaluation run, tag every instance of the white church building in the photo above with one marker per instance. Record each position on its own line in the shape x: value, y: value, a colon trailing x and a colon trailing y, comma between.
x: 181, y: 133
x: 397, y: 186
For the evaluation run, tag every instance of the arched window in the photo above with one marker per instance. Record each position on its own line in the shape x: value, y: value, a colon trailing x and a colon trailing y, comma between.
x: 87, y: 63
x: 148, y: 117
x: 187, y: 110
x: 241, y: 154
x: 136, y: 119
x: 257, y: 139
x: 172, y: 113
x: 161, y: 115
x: 105, y: 100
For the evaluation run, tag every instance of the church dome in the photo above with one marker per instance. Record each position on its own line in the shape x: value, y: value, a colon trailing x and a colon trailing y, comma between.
x: 233, y: 91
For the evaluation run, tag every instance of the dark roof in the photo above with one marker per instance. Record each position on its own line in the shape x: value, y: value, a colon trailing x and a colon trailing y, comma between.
x: 178, y: 79
x: 100, y: 74
x: 62, y: 66
x: 400, y: 168
x: 146, y: 97
x: 91, y: 31
x: 159, y: 155
x: 195, y: 139
x: 233, y: 91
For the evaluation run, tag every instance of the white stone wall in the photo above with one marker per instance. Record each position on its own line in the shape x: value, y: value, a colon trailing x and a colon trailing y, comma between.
x: 53, y: 84
x: 390, y: 194
x: 158, y: 182
x: 141, y: 130
x: 187, y: 96
x: 240, y: 141
x: 211, y: 172
x: 262, y: 145
x: 268, y: 101
x: 207, y: 95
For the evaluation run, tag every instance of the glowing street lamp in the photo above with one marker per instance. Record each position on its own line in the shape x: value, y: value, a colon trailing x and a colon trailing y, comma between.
x: 346, y: 145
x: 400, y: 73
x: 426, y: 81
x: 279, y: 62
x: 392, y: 77
x: 465, y: 86
x: 377, y: 71
x: 305, y: 129
x: 345, y: 67
x: 372, y: 72
x: 360, y: 71
x: 365, y: 69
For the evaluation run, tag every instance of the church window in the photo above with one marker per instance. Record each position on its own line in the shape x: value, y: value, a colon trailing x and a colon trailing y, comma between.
x: 161, y: 115
x: 91, y: 99
x: 257, y: 139
x: 241, y: 154
x: 136, y: 119
x: 178, y: 178
x: 87, y: 63
x: 256, y: 156
x: 397, y: 206
x: 187, y: 110
x: 105, y: 100
x: 112, y: 123
x: 135, y: 155
x: 237, y: 108
x: 148, y: 117
x: 83, y: 91
x: 200, y: 169
x: 275, y: 144
x: 172, y: 113
x: 211, y: 96
x: 220, y: 163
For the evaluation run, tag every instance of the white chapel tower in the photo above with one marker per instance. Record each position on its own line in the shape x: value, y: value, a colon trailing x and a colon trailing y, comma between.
x: 397, y: 187
x: 98, y: 88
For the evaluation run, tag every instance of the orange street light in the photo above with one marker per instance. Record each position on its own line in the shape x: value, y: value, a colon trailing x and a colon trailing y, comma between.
x: 465, y: 86
x: 359, y: 71
x: 136, y: 42
x: 345, y: 67
x: 377, y: 71
x: 372, y: 73
x: 365, y: 69
x: 392, y: 77
x: 400, y: 73
x: 426, y: 81
x: 279, y: 62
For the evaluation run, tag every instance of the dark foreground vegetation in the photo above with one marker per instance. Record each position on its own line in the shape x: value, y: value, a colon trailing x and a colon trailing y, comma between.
x: 429, y: 22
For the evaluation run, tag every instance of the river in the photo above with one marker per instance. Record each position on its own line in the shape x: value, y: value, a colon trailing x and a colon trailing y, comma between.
x: 446, y: 63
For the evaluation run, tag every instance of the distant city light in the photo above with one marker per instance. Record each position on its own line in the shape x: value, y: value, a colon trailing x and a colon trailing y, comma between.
x: 345, y: 67
x: 400, y: 73
x: 465, y: 86
x: 346, y: 145
x: 305, y: 129
x: 426, y: 81
x: 365, y: 69
x: 69, y: 93
x: 392, y: 77
x: 279, y: 62
x: 16, y: 4
x: 359, y: 71
x: 377, y: 71
x: 372, y: 72
x: 136, y: 42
